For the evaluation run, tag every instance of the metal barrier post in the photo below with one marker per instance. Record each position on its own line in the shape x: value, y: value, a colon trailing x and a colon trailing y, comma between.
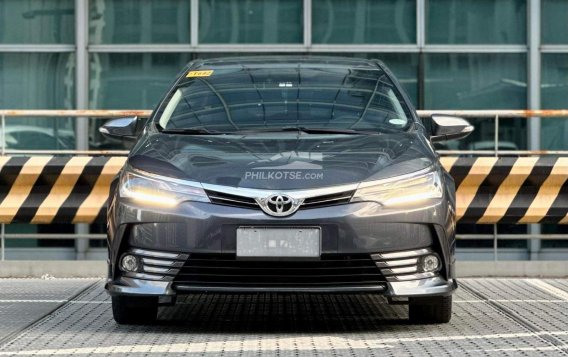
x: 82, y: 102
x: 495, y: 257
x: 3, y: 242
x: 3, y: 124
x: 534, y: 99
x: 496, y: 135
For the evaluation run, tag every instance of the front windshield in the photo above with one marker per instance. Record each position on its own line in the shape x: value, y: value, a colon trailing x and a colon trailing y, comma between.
x: 233, y: 99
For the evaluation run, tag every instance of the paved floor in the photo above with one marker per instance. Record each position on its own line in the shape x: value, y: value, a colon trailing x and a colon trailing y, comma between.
x: 491, y: 317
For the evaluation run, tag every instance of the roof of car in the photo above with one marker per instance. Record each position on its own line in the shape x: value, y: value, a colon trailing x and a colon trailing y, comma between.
x: 287, y: 61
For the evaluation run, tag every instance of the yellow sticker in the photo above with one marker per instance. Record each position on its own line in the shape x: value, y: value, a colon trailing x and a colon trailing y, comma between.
x: 199, y: 73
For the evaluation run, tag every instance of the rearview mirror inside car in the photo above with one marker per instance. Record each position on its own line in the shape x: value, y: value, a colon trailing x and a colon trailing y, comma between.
x: 444, y: 128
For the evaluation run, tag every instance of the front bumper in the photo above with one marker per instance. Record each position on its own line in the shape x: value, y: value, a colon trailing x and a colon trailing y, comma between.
x: 361, y: 229
x: 394, y: 274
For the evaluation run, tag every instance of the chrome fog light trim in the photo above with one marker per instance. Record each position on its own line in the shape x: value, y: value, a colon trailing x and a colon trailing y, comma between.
x: 430, y: 263
x: 402, y: 254
x: 129, y: 263
x: 158, y: 270
x: 397, y: 263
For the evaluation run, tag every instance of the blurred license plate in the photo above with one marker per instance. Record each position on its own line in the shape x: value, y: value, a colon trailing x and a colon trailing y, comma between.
x: 278, y: 242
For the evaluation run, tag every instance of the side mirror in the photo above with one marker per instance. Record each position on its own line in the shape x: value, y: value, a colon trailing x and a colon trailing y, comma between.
x: 126, y: 129
x: 443, y: 128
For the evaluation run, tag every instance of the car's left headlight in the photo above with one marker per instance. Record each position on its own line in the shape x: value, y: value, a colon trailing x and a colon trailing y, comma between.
x: 157, y: 190
x: 406, y: 189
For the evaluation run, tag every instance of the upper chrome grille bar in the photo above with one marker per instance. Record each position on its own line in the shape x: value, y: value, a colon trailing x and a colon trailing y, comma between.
x: 296, y: 194
x: 229, y: 200
x: 316, y: 201
x: 238, y: 197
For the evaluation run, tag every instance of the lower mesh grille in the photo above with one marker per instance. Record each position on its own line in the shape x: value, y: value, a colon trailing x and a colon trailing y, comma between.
x: 333, y: 270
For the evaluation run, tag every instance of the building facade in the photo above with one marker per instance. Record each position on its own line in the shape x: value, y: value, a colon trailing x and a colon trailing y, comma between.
x: 123, y: 54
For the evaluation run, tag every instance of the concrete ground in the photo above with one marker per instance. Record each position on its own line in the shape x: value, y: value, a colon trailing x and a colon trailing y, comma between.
x: 491, y: 317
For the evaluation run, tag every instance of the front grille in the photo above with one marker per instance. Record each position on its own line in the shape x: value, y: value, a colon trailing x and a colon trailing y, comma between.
x: 328, y: 200
x: 227, y: 199
x: 332, y: 271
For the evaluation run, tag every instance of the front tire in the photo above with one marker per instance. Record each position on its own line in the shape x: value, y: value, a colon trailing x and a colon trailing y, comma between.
x: 134, y: 310
x: 430, y: 310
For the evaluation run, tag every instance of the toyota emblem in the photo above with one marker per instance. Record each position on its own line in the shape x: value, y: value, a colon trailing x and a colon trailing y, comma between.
x: 279, y: 205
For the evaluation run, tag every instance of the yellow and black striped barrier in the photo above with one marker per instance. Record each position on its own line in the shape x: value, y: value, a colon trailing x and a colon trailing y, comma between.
x: 510, y: 190
x: 45, y: 189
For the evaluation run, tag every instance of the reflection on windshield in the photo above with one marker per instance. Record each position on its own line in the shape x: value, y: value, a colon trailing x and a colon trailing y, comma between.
x: 240, y: 98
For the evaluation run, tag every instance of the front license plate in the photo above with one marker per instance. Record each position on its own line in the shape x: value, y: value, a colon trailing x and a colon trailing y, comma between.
x: 278, y: 242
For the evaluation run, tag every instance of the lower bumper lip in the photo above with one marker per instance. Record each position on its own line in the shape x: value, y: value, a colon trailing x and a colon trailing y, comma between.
x: 170, y: 273
x: 424, y: 287
x: 379, y: 288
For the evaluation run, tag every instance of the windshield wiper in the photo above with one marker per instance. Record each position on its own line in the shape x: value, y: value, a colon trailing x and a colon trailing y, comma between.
x: 301, y: 129
x: 192, y: 131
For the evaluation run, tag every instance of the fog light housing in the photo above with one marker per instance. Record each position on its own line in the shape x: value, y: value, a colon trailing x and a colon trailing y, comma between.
x: 430, y: 263
x: 129, y: 263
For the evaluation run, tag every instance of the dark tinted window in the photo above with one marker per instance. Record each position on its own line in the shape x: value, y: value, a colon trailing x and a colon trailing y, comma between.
x: 237, y: 98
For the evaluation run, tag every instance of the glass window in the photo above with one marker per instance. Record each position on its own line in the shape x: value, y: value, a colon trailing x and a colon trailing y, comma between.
x: 479, y: 81
x: 56, y: 254
x: 470, y: 228
x: 555, y: 243
x: 554, y: 21
x: 252, y: 21
x: 554, y: 131
x: 475, y: 81
x: 403, y: 65
x: 476, y: 22
x: 139, y: 21
x: 38, y: 81
x: 129, y: 81
x: 241, y: 97
x: 405, y: 68
x: 364, y: 21
x: 32, y: 21
x: 132, y: 80
x: 554, y: 94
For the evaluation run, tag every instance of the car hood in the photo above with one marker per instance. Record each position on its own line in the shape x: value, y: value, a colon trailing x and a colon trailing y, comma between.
x: 282, y: 161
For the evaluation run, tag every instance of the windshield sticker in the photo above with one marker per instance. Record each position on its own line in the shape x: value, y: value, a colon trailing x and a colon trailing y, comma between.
x: 199, y: 73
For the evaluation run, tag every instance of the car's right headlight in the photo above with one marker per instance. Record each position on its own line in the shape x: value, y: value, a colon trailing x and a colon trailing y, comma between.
x: 406, y: 189
x: 159, y: 190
